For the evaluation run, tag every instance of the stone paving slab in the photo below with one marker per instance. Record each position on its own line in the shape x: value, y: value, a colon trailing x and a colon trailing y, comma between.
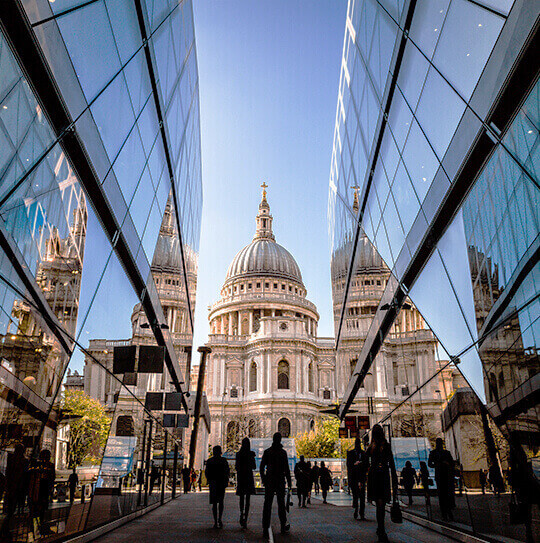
x: 189, y: 518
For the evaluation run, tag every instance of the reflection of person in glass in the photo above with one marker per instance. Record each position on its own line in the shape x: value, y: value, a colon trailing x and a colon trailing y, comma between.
x: 16, y: 479
x: 245, y: 484
x: 356, y: 475
x: 525, y: 485
x: 441, y: 460
x: 217, y: 474
x: 425, y: 480
x: 73, y: 481
x: 41, y: 482
x: 381, y: 474
x: 408, y: 478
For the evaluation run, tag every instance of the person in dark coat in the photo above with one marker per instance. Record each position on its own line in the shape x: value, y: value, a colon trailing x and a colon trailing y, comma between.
x: 315, y: 473
x: 382, y: 477
x: 275, y: 473
x: 186, y: 478
x: 408, y: 478
x: 302, y: 476
x: 356, y: 475
x: 441, y: 460
x: 309, y: 481
x: 482, y: 475
x: 217, y: 474
x: 325, y: 478
x: 245, y: 485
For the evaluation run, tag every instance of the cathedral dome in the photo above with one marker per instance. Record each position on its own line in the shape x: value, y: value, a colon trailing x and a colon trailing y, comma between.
x: 367, y: 258
x: 263, y: 256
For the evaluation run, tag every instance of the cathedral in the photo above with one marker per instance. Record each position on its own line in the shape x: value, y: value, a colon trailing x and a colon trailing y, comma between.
x: 269, y: 371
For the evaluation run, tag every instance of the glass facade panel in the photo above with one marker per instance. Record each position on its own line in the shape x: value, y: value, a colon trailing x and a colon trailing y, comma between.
x: 90, y: 266
x: 467, y: 262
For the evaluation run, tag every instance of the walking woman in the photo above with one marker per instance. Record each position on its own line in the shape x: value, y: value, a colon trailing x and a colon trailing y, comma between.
x: 381, y: 474
x: 408, y: 478
x: 217, y: 474
x: 245, y: 485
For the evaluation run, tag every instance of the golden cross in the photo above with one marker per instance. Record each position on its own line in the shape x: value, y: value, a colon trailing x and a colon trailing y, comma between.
x: 264, y: 186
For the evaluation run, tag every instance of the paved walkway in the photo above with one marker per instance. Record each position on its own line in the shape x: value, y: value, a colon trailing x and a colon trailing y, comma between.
x: 189, y: 518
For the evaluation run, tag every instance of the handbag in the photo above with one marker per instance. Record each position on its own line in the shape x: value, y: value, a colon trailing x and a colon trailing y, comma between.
x: 518, y: 511
x: 395, y: 513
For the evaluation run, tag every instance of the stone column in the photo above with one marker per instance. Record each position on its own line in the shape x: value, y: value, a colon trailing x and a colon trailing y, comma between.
x: 250, y: 312
x: 230, y: 324
x: 222, y: 324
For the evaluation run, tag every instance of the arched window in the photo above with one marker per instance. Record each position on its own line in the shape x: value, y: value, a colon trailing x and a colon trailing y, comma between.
x: 253, y: 377
x: 124, y: 426
x: 233, y: 436
x: 252, y: 428
x: 283, y: 375
x: 284, y: 427
x: 310, y: 377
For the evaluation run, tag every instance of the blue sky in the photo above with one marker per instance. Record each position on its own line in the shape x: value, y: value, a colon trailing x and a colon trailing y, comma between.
x: 269, y: 74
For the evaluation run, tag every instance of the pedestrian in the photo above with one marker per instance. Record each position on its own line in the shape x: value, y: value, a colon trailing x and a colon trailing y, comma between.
x: 382, y: 477
x: 442, y: 461
x: 16, y: 479
x: 193, y: 479
x: 245, y: 484
x: 408, y: 478
x: 325, y: 478
x: 315, y: 474
x: 275, y: 473
x: 301, y: 474
x: 217, y: 475
x: 356, y: 475
x: 309, y: 481
x: 483, y: 479
x: 186, y: 479
x: 73, y: 481
x: 425, y: 480
x: 199, y: 480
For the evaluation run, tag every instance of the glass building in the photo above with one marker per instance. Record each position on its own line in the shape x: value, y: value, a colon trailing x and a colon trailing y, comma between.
x: 100, y: 208
x: 436, y: 162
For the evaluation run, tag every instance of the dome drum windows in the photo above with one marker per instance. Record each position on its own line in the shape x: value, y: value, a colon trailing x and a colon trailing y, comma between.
x: 284, y: 427
x: 283, y: 375
x: 253, y: 377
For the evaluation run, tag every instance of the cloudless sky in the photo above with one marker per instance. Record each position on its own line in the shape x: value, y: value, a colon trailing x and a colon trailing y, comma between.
x: 269, y: 74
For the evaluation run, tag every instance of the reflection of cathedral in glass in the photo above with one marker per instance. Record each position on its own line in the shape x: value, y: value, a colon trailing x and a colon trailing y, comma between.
x: 33, y: 361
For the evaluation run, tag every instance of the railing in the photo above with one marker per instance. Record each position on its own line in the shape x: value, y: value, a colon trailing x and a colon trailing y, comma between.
x: 267, y: 296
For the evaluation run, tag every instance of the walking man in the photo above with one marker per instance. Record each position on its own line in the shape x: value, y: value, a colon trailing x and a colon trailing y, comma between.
x: 356, y: 473
x: 275, y: 473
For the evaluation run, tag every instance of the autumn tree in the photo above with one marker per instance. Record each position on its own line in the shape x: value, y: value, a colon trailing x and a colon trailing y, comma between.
x: 88, y: 427
x: 321, y: 442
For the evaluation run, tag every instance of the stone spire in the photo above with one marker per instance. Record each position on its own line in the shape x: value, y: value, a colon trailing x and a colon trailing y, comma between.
x: 356, y: 203
x: 264, y: 219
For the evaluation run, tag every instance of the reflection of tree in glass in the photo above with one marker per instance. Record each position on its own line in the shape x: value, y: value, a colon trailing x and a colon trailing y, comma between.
x: 323, y: 441
x: 88, y: 429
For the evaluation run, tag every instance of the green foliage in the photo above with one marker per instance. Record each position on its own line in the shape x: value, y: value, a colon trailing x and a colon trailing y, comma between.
x: 321, y: 442
x: 87, y: 433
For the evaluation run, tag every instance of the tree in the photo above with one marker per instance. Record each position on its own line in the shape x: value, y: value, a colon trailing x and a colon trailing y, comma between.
x: 89, y: 428
x: 321, y: 442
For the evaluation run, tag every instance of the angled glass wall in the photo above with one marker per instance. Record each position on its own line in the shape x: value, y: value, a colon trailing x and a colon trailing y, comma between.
x: 437, y: 133
x: 100, y: 208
